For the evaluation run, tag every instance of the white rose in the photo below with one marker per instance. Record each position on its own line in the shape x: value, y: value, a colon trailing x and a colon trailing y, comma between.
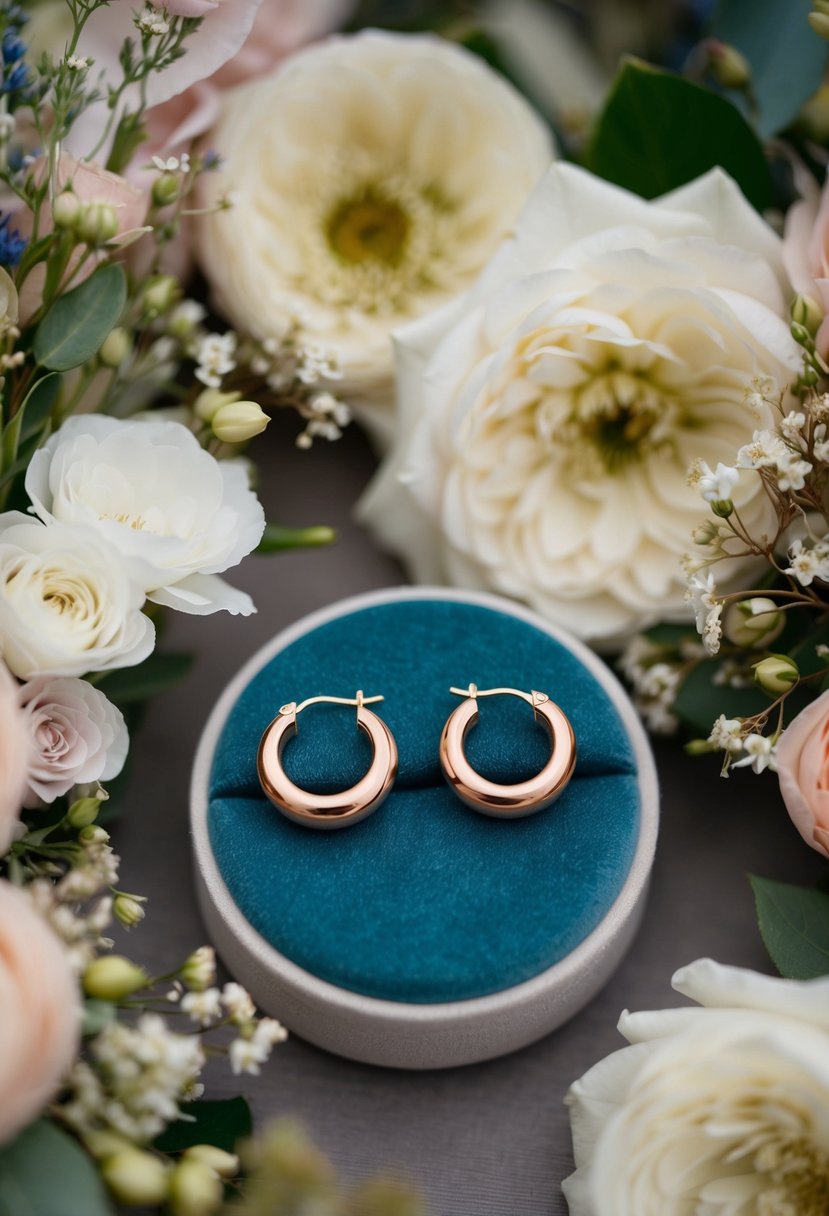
x: 721, y: 1111
x: 14, y: 758
x: 152, y: 491
x: 548, y: 419
x: 372, y: 177
x: 77, y: 735
x: 67, y: 603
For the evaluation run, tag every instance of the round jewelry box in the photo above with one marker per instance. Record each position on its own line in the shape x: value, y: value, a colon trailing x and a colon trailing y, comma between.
x: 427, y: 935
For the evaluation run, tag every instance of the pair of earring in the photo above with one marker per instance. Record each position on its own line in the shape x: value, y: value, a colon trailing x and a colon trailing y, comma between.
x: 354, y: 804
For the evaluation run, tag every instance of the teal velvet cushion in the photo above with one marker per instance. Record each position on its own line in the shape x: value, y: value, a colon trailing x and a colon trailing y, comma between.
x: 425, y: 901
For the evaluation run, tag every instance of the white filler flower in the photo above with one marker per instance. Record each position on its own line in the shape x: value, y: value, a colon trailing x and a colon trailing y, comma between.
x: 373, y: 176
x: 715, y: 1111
x: 67, y: 602
x: 151, y: 490
x: 549, y: 418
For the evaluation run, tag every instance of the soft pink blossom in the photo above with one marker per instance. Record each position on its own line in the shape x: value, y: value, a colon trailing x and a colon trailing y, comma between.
x: 14, y: 756
x: 186, y: 8
x: 77, y: 736
x: 806, y: 246
x: 40, y: 1022
x: 803, y: 771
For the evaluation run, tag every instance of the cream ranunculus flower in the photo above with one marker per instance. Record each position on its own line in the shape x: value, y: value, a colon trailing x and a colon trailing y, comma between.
x: 67, y: 602
x: 40, y: 1026
x: 721, y: 1110
x: 153, y: 492
x: 75, y: 736
x: 373, y: 176
x: 549, y: 418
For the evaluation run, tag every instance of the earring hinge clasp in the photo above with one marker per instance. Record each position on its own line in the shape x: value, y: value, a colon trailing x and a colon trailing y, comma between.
x: 473, y: 691
x: 358, y: 701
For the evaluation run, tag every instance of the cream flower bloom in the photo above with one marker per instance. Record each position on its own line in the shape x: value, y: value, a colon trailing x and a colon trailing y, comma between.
x: 721, y: 1110
x: 40, y: 1026
x: 549, y: 418
x: 372, y: 176
x: 67, y: 603
x: 179, y: 515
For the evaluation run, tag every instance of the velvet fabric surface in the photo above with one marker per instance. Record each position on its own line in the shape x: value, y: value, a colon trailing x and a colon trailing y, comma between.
x: 426, y: 901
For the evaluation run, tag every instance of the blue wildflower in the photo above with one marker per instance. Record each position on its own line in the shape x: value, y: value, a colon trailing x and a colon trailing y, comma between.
x: 16, y: 80
x: 14, y: 48
x: 12, y: 243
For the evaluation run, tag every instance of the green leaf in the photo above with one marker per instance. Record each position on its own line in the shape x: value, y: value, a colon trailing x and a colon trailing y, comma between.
x: 805, y: 652
x: 787, y: 58
x: 96, y: 1015
x: 276, y: 538
x: 658, y: 131
x: 671, y: 635
x: 221, y: 1123
x: 31, y: 416
x: 75, y: 327
x: 44, y: 1172
x: 794, y: 925
x: 700, y: 701
x: 149, y: 678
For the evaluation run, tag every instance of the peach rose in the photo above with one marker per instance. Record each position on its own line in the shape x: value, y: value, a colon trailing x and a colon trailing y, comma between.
x: 803, y: 771
x: 40, y: 1022
x: 14, y: 757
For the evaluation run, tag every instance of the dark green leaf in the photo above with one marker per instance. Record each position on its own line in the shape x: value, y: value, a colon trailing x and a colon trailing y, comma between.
x: 220, y: 1123
x: 151, y: 677
x: 276, y: 538
x: 30, y: 417
x: 658, y: 131
x: 671, y: 635
x: 805, y: 652
x: 44, y: 1172
x: 794, y: 924
x: 787, y: 58
x: 699, y: 701
x: 76, y: 326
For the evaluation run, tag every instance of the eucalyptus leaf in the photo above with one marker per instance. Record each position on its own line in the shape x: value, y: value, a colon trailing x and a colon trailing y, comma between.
x: 154, y: 675
x: 30, y: 417
x: 44, y: 1172
x: 221, y: 1123
x: 787, y: 58
x: 275, y: 538
x: 658, y: 131
x: 794, y: 925
x: 76, y: 326
x: 700, y: 701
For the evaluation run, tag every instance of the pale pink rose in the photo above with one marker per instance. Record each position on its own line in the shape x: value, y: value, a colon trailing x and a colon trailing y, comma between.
x: 14, y: 757
x: 77, y: 736
x: 40, y: 1023
x: 803, y: 771
x: 806, y: 246
x: 186, y: 8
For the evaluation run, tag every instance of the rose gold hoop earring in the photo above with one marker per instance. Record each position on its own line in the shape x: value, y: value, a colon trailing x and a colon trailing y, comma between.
x: 327, y: 810
x: 525, y: 797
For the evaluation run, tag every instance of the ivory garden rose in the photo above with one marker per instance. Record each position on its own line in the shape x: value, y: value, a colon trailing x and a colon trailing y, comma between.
x: 548, y: 419
x: 719, y: 1110
x: 372, y: 176
x: 803, y: 772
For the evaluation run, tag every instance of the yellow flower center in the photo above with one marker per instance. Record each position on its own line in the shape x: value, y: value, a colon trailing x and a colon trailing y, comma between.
x: 798, y: 1176
x: 369, y: 227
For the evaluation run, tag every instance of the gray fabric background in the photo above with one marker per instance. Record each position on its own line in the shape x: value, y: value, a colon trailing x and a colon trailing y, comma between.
x: 490, y: 1139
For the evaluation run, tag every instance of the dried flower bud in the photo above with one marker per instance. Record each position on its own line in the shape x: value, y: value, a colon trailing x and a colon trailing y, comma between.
x: 807, y: 312
x: 210, y: 400
x: 226, y: 1165
x: 160, y: 294
x: 166, y: 189
x: 239, y: 421
x: 753, y: 622
x: 96, y: 223
x: 136, y: 1178
x: 65, y: 209
x: 128, y: 911
x: 729, y: 66
x: 117, y: 346
x: 112, y: 978
x: 776, y: 674
x: 195, y: 1189
x: 83, y: 812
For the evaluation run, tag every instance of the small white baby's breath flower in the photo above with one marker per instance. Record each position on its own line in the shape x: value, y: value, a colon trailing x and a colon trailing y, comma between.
x: 238, y: 1003
x: 151, y: 21
x: 717, y: 485
x: 203, y: 1007
x: 246, y: 1055
x: 727, y: 734
x: 759, y: 753
x: 77, y: 63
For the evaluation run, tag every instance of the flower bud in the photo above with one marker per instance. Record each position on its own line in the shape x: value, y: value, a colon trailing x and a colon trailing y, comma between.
x: 820, y: 24
x: 83, y: 812
x: 199, y: 970
x: 117, y: 345
x: 65, y: 209
x: 723, y: 507
x: 807, y: 312
x: 814, y: 116
x: 112, y: 978
x: 698, y: 747
x: 195, y: 1189
x: 753, y: 622
x: 706, y: 533
x: 808, y: 377
x: 160, y: 294
x: 136, y: 1178
x: 226, y: 1165
x: 801, y: 335
x: 104, y: 1144
x: 729, y: 67
x: 166, y: 189
x: 127, y: 910
x: 776, y: 674
x: 97, y: 223
x: 239, y: 421
x: 92, y: 834
x: 210, y: 400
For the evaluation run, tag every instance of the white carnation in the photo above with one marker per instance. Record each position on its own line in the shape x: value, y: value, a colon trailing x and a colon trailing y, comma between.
x: 373, y: 176
x: 720, y: 1110
x: 151, y: 490
x: 67, y: 602
x: 77, y: 736
x: 548, y: 419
